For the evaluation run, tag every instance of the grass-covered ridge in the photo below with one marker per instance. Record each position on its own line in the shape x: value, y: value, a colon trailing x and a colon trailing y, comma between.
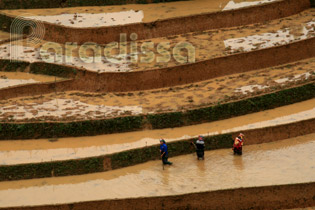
x: 147, y: 153
x: 36, y: 4
x: 156, y: 121
x: 108, y: 162
x: 49, y: 69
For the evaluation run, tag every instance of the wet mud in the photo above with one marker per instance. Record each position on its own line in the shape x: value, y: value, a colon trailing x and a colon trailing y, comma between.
x: 43, y: 150
x: 278, y: 163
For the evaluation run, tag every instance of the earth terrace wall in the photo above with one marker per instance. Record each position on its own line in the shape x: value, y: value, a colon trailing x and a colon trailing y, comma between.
x: 172, y: 26
x: 195, y: 72
x: 67, y: 73
x: 35, y: 4
x: 161, y: 78
x: 29, y: 130
x: 35, y: 89
x: 300, y: 195
x: 144, y: 154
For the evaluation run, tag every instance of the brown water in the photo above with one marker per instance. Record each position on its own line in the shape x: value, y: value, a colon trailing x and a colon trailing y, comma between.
x: 208, y: 44
x: 151, y: 12
x: 27, y: 76
x: 190, y: 96
x: 63, y: 108
x: 4, y: 36
x: 283, y: 162
x: 9, y: 79
x: 33, y: 151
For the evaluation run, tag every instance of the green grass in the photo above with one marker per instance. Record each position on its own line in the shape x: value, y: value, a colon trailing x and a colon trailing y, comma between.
x: 157, y: 121
x: 117, y: 160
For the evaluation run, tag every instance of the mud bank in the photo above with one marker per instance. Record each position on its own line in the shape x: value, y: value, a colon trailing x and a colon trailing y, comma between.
x: 270, y: 197
x: 144, y: 154
x: 44, y: 150
x: 171, y: 76
x: 189, y: 96
x: 35, y: 89
x: 195, y: 72
x: 29, y: 130
x: 171, y: 26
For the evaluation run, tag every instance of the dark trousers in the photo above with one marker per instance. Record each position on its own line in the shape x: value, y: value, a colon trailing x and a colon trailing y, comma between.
x: 165, y: 160
x: 237, y: 151
x: 200, y: 153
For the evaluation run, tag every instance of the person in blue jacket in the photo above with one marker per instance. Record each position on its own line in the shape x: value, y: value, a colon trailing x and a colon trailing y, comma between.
x: 164, y: 152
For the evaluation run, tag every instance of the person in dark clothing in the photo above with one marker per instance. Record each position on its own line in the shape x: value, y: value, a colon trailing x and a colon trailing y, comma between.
x: 200, y: 148
x: 238, y: 144
x: 164, y: 152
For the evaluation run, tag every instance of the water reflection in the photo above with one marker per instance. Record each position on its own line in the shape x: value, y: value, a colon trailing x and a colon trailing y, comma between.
x: 73, y: 148
x: 283, y: 162
x: 83, y: 20
x: 238, y: 162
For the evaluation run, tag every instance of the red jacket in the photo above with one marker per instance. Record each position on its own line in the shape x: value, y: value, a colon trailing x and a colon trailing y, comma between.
x: 239, y: 145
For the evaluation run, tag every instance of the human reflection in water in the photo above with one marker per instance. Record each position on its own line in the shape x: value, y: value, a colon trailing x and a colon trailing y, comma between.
x: 201, y: 168
x: 238, y: 162
x: 165, y: 176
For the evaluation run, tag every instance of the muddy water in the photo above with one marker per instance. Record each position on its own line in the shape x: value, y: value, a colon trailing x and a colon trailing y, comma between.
x: 65, y: 108
x: 217, y: 43
x: 4, y: 36
x: 265, y: 40
x: 33, y: 151
x: 149, y: 12
x: 31, y: 54
x: 208, y: 44
x: 284, y: 162
x: 83, y: 20
x: 8, y: 79
x: 27, y: 76
x: 205, y: 93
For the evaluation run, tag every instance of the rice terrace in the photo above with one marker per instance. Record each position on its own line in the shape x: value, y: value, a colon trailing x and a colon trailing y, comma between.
x: 157, y: 104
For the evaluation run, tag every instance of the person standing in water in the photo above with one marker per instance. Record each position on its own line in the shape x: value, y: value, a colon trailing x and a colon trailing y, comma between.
x: 238, y: 144
x: 200, y: 147
x: 164, y: 152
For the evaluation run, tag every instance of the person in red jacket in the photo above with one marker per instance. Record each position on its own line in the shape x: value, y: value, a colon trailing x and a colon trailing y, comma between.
x: 238, y: 144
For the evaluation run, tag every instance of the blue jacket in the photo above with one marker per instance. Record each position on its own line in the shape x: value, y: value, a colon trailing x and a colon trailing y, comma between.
x: 163, y: 148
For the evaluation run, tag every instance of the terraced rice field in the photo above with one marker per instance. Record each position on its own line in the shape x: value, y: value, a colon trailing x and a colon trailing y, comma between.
x: 80, y: 123
x: 280, y: 162
x: 126, y: 14
x: 44, y: 150
x: 207, y: 45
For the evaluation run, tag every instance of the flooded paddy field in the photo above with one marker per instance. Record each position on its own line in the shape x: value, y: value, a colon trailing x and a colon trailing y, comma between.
x: 283, y: 162
x: 4, y: 36
x: 44, y: 150
x: 207, y: 45
x: 131, y: 13
x: 77, y: 105
x: 10, y: 79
